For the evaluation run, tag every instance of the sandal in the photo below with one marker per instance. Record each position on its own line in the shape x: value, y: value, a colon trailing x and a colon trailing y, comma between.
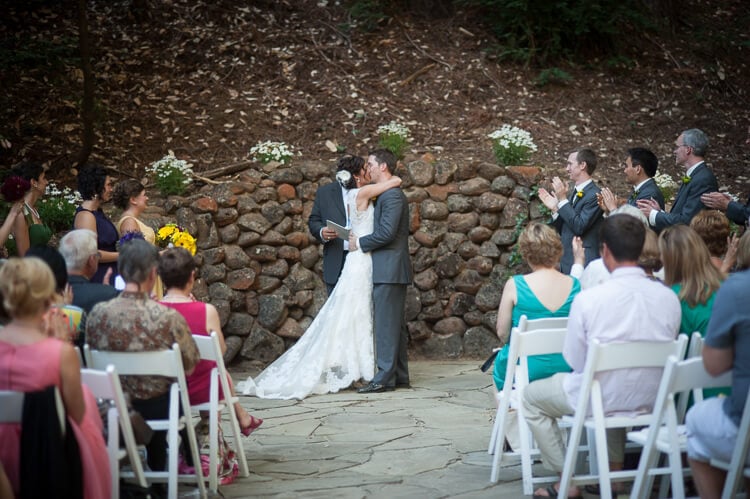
x: 594, y: 489
x: 254, y: 425
x: 552, y: 492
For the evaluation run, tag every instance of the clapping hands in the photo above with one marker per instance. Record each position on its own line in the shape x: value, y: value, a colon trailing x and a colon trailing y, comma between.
x: 607, y: 200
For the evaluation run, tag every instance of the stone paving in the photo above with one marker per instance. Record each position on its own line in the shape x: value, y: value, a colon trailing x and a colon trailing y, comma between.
x: 426, y: 441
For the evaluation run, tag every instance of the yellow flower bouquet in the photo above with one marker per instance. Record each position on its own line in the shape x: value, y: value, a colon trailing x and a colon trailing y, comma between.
x: 172, y: 235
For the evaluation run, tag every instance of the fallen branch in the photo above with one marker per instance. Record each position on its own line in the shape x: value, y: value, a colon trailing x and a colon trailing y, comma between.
x: 227, y: 169
x: 417, y: 73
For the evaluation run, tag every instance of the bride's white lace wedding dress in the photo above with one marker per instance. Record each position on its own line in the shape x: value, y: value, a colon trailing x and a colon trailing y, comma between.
x: 337, y: 348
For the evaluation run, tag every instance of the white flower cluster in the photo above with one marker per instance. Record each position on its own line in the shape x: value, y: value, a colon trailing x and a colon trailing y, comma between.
x: 67, y: 194
x: 664, y: 181
x: 343, y: 176
x: 271, y: 151
x: 394, y: 128
x: 509, y: 136
x: 166, y: 165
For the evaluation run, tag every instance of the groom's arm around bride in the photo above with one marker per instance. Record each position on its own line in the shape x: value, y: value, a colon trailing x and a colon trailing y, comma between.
x: 391, y: 274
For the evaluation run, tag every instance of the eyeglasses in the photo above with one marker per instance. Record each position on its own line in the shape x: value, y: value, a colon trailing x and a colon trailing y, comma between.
x: 681, y: 145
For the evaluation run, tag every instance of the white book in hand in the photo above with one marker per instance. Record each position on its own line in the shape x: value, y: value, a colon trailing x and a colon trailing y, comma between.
x: 341, y: 232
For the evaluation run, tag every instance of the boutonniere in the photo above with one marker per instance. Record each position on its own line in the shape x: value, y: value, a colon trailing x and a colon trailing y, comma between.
x: 374, y: 199
x: 579, y: 194
x: 634, y: 194
x: 685, y: 179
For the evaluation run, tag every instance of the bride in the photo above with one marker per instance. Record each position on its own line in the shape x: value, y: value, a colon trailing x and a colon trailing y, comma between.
x: 337, y: 348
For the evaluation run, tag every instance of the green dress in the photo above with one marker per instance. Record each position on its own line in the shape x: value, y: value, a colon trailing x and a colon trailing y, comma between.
x: 696, y: 319
x: 540, y: 366
x: 39, y: 234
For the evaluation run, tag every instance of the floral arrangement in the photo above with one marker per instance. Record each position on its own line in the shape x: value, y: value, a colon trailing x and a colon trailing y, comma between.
x: 268, y: 151
x: 58, y: 207
x: 666, y: 184
x: 129, y: 236
x: 172, y: 235
x: 394, y: 136
x: 14, y: 188
x: 171, y: 175
x: 343, y: 176
x: 512, y: 145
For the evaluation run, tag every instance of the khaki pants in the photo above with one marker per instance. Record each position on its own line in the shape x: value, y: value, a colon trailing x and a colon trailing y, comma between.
x: 543, y: 402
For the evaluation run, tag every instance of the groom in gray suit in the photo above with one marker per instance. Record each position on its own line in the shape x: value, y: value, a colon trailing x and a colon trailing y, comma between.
x: 391, y: 274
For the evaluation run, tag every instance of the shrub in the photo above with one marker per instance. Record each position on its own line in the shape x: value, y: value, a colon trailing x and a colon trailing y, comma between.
x: 171, y: 175
x: 394, y: 137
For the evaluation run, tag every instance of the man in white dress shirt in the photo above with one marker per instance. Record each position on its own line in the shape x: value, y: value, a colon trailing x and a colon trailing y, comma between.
x: 645, y: 310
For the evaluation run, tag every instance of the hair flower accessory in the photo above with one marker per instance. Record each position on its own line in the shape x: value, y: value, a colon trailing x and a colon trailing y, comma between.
x: 14, y: 188
x: 343, y: 177
x: 172, y: 235
x: 685, y: 179
x: 129, y: 236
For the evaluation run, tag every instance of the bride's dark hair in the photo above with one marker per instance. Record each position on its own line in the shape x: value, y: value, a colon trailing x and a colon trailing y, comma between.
x: 353, y: 165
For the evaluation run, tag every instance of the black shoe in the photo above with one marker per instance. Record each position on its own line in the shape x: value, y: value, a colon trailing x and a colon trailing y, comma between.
x: 375, y: 388
x: 403, y: 385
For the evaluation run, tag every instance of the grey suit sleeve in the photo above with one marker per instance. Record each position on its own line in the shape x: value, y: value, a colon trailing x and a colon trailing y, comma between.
x: 391, y: 205
x: 691, y: 206
x: 738, y: 213
x: 583, y: 220
x: 316, y: 221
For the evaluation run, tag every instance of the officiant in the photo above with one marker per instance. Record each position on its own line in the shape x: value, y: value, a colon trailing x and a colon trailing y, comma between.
x: 329, y: 205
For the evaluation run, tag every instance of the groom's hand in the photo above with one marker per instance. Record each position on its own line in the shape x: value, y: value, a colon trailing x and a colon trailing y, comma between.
x: 353, y: 242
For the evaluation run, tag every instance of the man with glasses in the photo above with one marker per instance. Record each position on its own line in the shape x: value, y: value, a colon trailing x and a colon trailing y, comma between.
x: 690, y: 149
x: 639, y: 168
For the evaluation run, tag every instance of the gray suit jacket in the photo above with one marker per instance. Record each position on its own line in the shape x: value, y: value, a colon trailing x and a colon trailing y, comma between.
x: 648, y: 190
x: 738, y: 212
x: 329, y: 205
x: 581, y: 219
x: 688, y: 201
x: 389, y: 241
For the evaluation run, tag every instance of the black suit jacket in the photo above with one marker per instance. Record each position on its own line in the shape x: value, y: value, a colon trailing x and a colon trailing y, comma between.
x: 580, y: 218
x: 86, y: 294
x: 329, y: 205
x: 649, y: 190
x: 738, y: 213
x: 688, y: 201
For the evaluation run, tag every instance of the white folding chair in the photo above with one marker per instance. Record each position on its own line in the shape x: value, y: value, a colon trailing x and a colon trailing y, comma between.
x: 210, y: 349
x: 736, y: 467
x: 666, y: 433
x: 606, y: 357
x: 531, y: 337
x: 160, y: 363
x: 106, y: 385
x: 696, y: 345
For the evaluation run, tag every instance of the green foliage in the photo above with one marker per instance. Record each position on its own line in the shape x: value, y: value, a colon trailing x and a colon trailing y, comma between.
x: 548, y: 30
x: 58, y: 207
x: 515, y: 257
x: 552, y: 75
x: 171, y: 175
x: 394, y: 137
x: 367, y: 14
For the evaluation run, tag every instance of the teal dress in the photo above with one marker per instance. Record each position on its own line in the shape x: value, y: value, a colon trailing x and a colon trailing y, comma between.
x: 540, y: 366
x: 696, y: 319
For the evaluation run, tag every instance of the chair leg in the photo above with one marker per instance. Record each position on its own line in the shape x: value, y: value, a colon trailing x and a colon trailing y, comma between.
x: 173, y: 444
x: 213, y: 446
x: 235, y: 424
x: 526, y: 447
x: 499, y: 440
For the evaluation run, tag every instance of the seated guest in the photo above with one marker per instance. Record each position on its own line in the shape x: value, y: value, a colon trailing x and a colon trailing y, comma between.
x: 650, y: 259
x: 726, y: 347
x: 132, y: 322
x: 627, y: 307
x: 79, y: 249
x: 688, y: 270
x: 713, y: 228
x: 743, y: 252
x: 30, y: 361
x: 177, y: 270
x: 545, y: 292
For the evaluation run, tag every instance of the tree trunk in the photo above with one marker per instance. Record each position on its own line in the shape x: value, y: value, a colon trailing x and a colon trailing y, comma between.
x: 87, y: 106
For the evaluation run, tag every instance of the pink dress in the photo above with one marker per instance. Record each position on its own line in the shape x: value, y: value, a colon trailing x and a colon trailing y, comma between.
x: 34, y: 367
x: 199, y: 381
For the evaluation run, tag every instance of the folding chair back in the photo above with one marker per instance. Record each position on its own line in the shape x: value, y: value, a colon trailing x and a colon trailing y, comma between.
x: 210, y: 349
x: 531, y: 337
x: 606, y: 357
x: 159, y: 363
x: 679, y: 379
x: 106, y: 385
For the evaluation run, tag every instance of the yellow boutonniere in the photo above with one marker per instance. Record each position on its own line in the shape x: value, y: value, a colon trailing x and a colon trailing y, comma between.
x: 373, y: 199
x: 579, y: 194
x: 685, y: 179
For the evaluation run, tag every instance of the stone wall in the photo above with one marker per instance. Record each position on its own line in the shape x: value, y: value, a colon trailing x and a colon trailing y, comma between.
x: 261, y: 268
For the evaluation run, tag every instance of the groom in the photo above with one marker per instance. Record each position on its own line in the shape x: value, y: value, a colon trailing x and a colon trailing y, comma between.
x: 391, y: 274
